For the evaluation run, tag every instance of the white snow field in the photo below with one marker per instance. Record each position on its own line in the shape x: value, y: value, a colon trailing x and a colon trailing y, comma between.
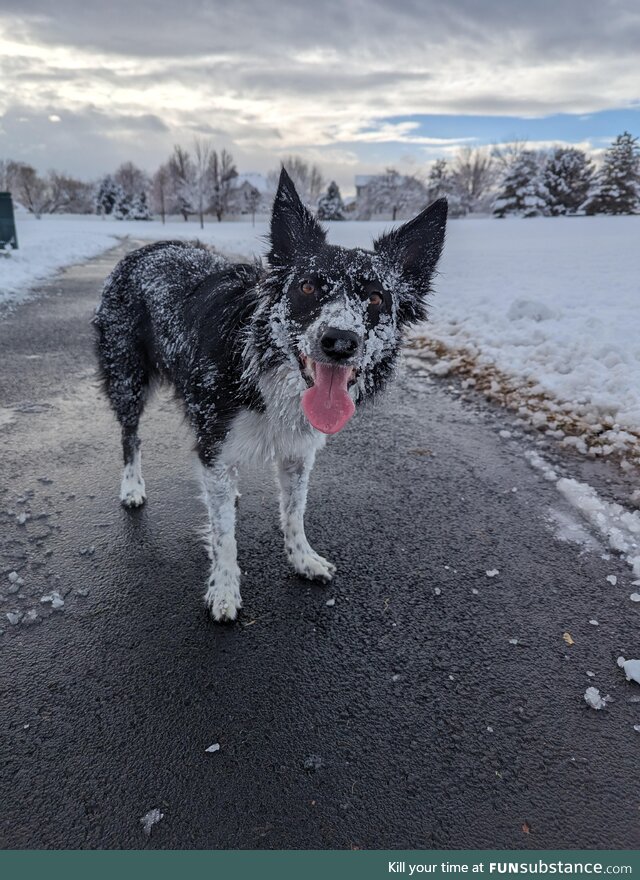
x: 542, y: 314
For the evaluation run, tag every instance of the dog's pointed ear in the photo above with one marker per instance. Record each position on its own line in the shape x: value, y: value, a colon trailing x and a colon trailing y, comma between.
x: 293, y: 227
x: 414, y: 248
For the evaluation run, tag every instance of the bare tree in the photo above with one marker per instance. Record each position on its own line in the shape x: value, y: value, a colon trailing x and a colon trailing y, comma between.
x: 8, y: 174
x: 221, y: 172
x: 306, y: 176
x: 392, y: 193
x: 161, y: 190
x: 132, y: 179
x: 67, y: 195
x: 473, y: 177
x: 31, y: 189
x: 182, y: 181
x: 202, y: 179
x: 506, y: 154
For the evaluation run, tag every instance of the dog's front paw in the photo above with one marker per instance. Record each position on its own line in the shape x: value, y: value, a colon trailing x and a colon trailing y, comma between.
x: 132, y: 491
x: 311, y: 565
x: 223, y: 595
x: 133, y: 497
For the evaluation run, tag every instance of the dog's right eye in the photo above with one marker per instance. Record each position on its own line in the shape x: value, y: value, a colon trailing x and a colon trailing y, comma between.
x: 308, y: 287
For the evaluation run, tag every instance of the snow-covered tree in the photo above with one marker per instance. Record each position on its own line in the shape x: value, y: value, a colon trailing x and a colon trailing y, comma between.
x: 221, y: 171
x: 307, y: 178
x: 566, y: 176
x: 140, y: 208
x: 400, y: 195
x: 123, y: 208
x: 440, y: 185
x: 132, y: 179
x: 330, y: 205
x: 616, y: 186
x: 471, y: 179
x: 522, y: 191
x: 107, y: 195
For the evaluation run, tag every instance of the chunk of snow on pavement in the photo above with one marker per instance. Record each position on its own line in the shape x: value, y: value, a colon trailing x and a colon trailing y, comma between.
x: 635, y: 597
x: 492, y: 572
x: 619, y: 527
x: 514, y: 641
x: 631, y: 669
x: 636, y: 727
x: 591, y: 674
x: 594, y: 622
x: 592, y: 698
x: 215, y: 747
x: 150, y: 819
x: 505, y: 434
x: 14, y: 617
x: 330, y: 603
x: 537, y: 461
x: 567, y: 528
x: 55, y: 599
x: 437, y: 591
x: 612, y: 579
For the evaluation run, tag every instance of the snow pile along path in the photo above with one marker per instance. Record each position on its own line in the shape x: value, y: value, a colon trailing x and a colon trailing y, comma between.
x: 543, y: 316
x: 618, y: 527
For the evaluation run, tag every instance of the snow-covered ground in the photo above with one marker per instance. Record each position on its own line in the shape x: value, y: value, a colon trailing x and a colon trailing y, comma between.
x: 543, y: 314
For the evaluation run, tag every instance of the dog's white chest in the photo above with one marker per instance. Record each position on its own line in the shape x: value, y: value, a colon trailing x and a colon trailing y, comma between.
x: 281, y: 432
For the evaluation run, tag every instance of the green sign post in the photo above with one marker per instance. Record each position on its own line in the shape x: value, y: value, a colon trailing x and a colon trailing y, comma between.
x: 8, y: 234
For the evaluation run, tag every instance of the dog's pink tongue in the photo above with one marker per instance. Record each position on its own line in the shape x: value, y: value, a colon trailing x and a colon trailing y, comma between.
x: 328, y: 405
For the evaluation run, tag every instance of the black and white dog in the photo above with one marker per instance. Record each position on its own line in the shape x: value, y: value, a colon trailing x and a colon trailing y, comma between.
x: 267, y: 360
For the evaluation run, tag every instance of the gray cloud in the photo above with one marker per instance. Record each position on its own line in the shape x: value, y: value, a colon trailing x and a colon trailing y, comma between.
x: 298, y: 76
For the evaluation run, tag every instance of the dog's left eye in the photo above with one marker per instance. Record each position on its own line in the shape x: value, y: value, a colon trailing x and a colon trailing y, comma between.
x: 308, y: 287
x: 375, y: 298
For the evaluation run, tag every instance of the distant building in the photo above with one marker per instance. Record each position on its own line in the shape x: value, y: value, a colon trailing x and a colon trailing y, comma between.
x: 250, y: 194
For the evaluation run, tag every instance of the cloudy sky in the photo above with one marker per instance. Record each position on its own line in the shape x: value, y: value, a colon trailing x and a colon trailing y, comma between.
x: 353, y: 84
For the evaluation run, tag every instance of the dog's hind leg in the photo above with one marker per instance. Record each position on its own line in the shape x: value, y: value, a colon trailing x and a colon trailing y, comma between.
x: 293, y: 476
x: 132, y: 488
x: 220, y: 489
x: 125, y: 379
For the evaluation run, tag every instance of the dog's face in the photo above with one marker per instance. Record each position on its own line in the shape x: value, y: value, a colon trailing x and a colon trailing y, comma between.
x: 337, y: 315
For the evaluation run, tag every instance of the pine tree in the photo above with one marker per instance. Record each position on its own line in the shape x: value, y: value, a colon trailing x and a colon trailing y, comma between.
x: 567, y: 175
x: 122, y: 209
x: 107, y: 195
x: 140, y: 208
x: 616, y: 186
x: 330, y: 205
x: 522, y: 191
x: 440, y: 184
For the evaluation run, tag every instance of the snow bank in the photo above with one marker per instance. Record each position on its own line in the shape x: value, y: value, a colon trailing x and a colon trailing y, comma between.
x: 546, y: 311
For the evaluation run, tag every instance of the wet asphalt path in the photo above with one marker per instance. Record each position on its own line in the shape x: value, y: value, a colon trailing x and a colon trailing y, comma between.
x: 420, y: 724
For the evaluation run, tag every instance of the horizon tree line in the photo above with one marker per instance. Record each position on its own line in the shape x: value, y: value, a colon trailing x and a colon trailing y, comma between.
x: 509, y: 179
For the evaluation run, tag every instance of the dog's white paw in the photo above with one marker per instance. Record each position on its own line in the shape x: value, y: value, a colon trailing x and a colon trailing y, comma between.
x: 223, y: 595
x: 311, y: 565
x: 133, y: 496
x: 132, y: 488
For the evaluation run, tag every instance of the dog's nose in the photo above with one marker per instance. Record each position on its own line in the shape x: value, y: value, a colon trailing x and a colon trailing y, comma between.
x: 339, y: 344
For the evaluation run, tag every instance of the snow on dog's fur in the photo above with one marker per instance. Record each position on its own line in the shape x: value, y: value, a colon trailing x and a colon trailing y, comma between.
x: 267, y: 360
